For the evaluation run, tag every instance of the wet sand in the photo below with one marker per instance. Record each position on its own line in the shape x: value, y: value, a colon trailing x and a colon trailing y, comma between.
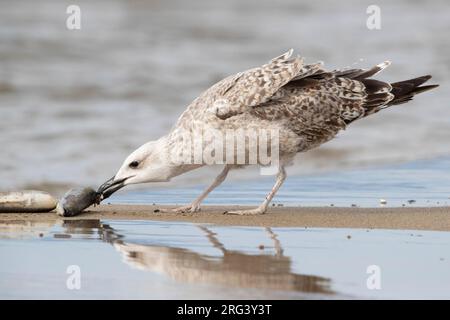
x: 410, y: 218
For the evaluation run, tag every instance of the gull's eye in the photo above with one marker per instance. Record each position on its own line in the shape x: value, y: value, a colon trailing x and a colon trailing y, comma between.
x: 134, y: 164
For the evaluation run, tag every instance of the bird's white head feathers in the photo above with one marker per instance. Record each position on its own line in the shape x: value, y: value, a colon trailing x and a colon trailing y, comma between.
x: 146, y: 164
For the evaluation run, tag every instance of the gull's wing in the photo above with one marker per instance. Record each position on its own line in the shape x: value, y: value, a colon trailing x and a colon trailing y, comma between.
x: 317, y: 106
x: 257, y: 86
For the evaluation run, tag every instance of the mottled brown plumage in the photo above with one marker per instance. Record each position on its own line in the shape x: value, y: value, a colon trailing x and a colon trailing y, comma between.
x: 306, y: 104
x: 301, y: 100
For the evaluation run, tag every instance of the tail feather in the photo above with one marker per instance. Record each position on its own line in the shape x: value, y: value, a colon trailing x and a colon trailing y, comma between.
x: 378, y: 95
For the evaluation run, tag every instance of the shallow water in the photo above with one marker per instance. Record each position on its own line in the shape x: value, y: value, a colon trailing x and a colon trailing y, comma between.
x: 417, y: 183
x: 73, y: 104
x: 160, y: 260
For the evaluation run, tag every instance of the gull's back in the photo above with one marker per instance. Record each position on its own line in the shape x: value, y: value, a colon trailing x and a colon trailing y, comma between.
x: 308, y: 104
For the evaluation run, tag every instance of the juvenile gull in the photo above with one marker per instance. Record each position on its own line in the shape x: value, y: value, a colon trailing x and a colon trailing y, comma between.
x: 306, y: 104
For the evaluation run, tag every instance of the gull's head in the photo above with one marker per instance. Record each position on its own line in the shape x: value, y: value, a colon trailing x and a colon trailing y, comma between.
x: 145, y: 164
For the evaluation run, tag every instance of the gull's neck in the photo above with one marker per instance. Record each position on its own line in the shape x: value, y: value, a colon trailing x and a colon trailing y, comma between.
x: 169, y: 145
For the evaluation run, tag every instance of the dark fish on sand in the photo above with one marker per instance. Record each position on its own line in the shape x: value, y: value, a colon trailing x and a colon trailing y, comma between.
x: 76, y: 200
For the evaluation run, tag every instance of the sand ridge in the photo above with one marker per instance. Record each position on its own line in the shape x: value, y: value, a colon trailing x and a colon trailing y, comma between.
x: 412, y: 218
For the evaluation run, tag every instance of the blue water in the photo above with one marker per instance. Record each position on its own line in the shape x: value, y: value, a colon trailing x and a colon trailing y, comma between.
x: 418, y: 183
x: 163, y: 260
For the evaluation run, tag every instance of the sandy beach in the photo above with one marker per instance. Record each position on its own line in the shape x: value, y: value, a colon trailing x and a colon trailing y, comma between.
x: 436, y: 218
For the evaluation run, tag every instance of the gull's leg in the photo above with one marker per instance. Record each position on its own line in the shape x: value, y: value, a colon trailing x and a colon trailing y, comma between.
x: 195, y: 205
x: 281, y: 176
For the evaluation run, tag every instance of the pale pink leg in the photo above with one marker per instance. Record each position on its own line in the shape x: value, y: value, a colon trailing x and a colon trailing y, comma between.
x: 195, y: 205
x: 281, y: 176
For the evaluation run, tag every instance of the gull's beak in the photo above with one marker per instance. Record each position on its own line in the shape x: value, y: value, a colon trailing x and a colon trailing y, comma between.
x: 110, y: 186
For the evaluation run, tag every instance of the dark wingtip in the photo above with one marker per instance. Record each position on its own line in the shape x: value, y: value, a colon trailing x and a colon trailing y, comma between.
x: 405, y: 90
x: 425, y: 88
x: 424, y: 79
x: 420, y: 80
x: 413, y: 83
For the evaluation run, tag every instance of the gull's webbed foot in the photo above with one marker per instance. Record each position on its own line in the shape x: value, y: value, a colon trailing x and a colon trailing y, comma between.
x: 191, y: 208
x: 248, y: 212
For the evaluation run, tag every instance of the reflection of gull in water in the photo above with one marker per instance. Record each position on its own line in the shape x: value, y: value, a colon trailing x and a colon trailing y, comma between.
x: 233, y: 268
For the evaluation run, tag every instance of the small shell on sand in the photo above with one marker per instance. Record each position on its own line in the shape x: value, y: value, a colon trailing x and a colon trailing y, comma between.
x: 26, y: 201
x: 76, y: 200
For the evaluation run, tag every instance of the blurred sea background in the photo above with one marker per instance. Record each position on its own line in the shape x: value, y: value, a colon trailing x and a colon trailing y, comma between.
x: 75, y: 103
